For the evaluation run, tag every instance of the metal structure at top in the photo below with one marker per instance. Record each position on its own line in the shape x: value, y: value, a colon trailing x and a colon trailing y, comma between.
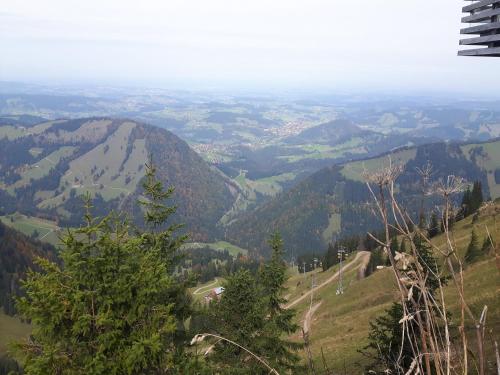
x: 341, y: 253
x: 483, y: 28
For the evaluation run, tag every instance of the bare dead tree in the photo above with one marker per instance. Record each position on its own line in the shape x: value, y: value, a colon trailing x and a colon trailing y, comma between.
x: 429, y: 334
x: 425, y: 174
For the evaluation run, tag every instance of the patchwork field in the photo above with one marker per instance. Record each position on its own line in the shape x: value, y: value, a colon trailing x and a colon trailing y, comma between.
x: 41, y: 229
x: 42, y: 167
x: 107, y: 169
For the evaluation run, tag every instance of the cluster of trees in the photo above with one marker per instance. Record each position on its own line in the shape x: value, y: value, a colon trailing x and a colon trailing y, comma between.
x: 308, y: 262
x: 472, y: 200
x: 474, y: 251
x: 251, y: 313
x: 349, y: 244
x: 206, y: 264
x: 114, y: 305
x: 17, y: 254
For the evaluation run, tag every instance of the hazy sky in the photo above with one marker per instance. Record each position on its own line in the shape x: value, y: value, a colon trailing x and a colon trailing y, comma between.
x: 328, y: 44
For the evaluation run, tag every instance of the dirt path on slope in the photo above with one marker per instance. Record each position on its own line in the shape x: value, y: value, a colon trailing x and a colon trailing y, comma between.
x: 363, y: 255
x: 201, y: 289
x: 309, y: 315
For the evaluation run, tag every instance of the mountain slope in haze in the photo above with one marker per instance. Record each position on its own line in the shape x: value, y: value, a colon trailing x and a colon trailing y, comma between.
x: 334, y: 201
x: 332, y: 132
x: 17, y: 255
x: 46, y: 167
x: 317, y: 147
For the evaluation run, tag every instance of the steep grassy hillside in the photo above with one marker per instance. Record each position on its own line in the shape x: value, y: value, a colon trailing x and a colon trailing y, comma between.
x: 340, y: 323
x: 333, y: 201
x: 46, y: 167
x: 11, y: 328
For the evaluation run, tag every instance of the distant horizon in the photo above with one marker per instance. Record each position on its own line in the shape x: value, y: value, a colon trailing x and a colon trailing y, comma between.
x: 298, y: 93
x: 376, y: 46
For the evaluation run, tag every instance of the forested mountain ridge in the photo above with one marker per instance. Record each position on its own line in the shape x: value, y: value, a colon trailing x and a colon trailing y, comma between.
x: 46, y: 167
x: 333, y: 202
x: 17, y: 255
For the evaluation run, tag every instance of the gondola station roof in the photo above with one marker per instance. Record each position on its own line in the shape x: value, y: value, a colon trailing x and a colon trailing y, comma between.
x: 483, y: 29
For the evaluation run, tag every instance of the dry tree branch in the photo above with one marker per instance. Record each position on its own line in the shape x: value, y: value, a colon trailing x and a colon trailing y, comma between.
x: 201, y: 336
x: 431, y: 329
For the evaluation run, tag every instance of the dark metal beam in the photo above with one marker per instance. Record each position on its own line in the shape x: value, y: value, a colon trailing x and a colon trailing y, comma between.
x: 482, y: 16
x: 479, y: 5
x: 482, y: 40
x: 481, y: 28
x: 491, y: 52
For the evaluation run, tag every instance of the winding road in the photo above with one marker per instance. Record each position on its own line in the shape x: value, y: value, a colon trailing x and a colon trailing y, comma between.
x: 309, y: 315
x: 202, y: 288
x: 363, y: 255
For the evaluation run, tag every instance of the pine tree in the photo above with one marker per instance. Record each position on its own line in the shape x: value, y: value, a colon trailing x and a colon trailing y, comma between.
x: 476, y: 199
x: 280, y: 320
x: 473, y: 251
x: 394, y: 245
x: 434, y: 227
x: 159, y: 237
x: 472, y: 200
x: 385, y: 338
x: 330, y: 256
x: 251, y: 313
x: 112, y: 308
x: 384, y: 347
x: 402, y: 248
x: 466, y: 203
x: 239, y: 316
x: 487, y: 246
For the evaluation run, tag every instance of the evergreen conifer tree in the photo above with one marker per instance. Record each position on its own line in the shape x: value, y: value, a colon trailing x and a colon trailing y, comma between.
x: 330, y: 256
x: 384, y: 343
x: 402, y: 248
x: 466, y: 203
x: 239, y: 316
x: 385, y: 338
x: 476, y: 197
x: 434, y: 226
x: 486, y: 245
x: 394, y: 245
x: 251, y: 313
x: 112, y: 307
x: 280, y: 320
x: 473, y: 252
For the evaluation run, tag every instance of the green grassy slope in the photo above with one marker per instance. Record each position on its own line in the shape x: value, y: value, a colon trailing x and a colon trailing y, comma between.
x: 43, y: 230
x: 340, y: 325
x: 45, y: 168
x: 11, y: 328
